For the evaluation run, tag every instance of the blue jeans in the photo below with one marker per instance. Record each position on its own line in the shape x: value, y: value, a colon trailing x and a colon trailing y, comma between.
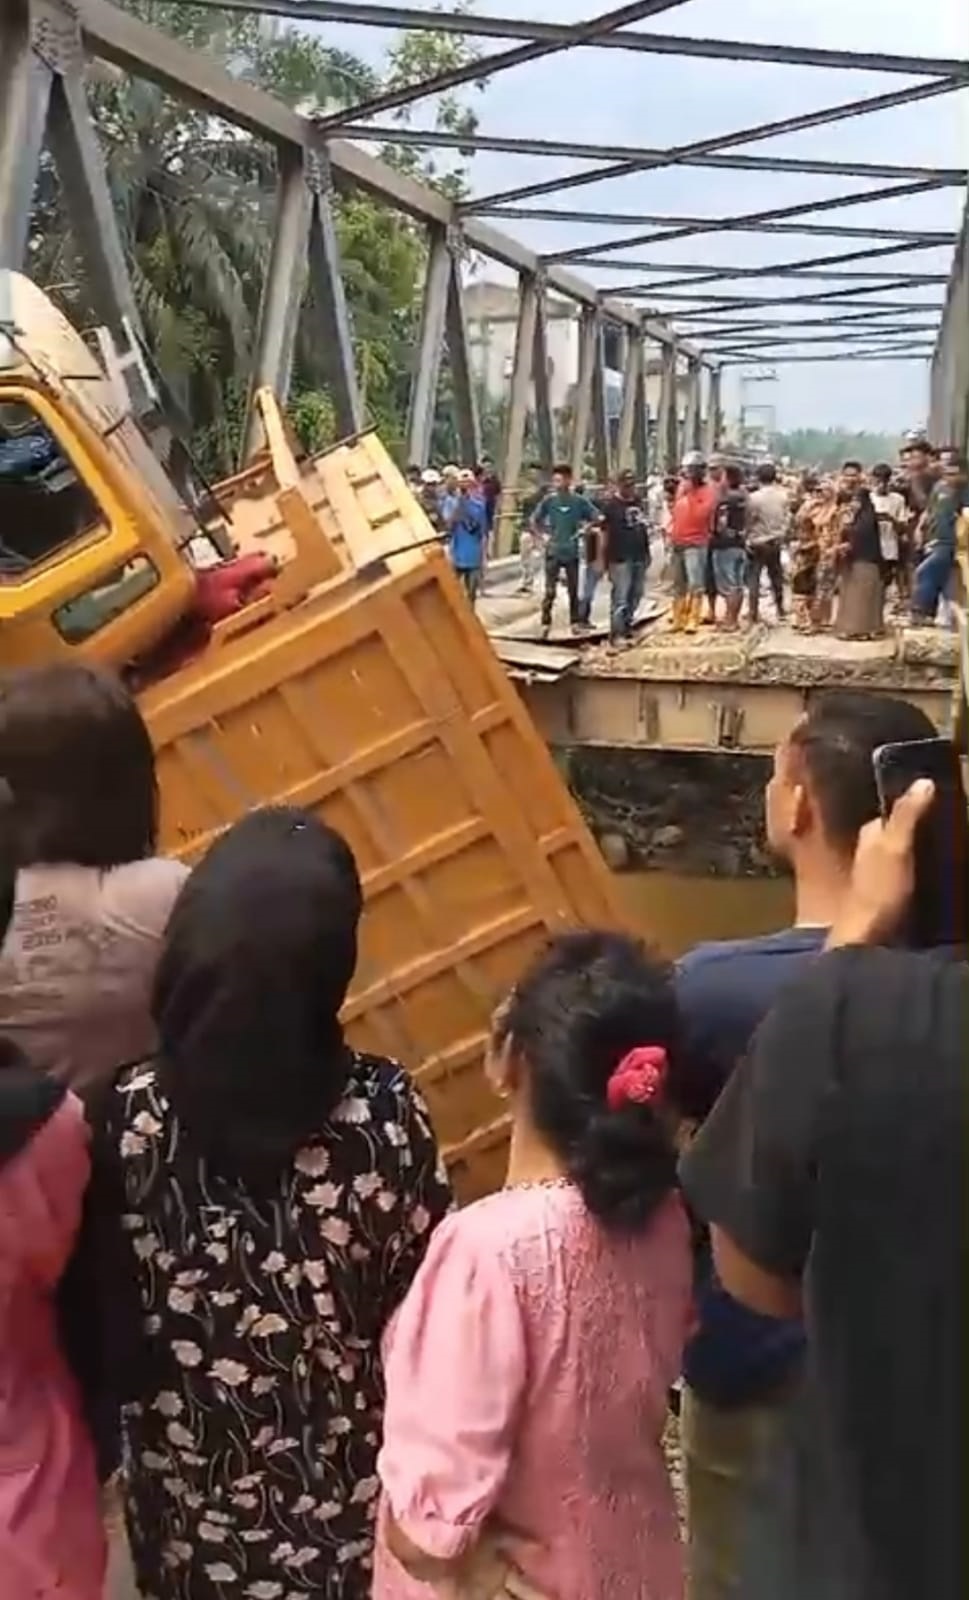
x: 931, y: 579
x: 628, y: 581
x: 590, y: 583
x: 689, y: 569
x: 729, y: 571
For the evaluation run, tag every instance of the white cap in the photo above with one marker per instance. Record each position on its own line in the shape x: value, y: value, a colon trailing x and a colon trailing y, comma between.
x: 693, y: 458
x: 430, y: 475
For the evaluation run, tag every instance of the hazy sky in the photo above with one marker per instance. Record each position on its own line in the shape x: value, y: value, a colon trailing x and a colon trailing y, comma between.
x: 639, y: 99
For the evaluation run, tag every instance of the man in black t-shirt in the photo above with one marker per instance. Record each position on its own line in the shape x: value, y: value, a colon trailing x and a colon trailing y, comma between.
x: 831, y: 1172
x: 728, y: 544
x: 625, y: 552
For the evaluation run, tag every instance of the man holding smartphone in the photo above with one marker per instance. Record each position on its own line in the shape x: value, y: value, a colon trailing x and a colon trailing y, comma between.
x: 832, y: 1174
x: 743, y: 1371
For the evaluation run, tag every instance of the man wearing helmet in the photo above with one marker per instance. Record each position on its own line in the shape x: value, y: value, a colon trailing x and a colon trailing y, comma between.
x: 690, y: 531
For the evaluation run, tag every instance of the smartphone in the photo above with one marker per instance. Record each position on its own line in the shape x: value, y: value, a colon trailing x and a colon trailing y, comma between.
x: 939, y: 914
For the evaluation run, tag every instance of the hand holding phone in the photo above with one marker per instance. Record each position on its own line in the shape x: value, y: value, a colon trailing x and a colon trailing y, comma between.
x: 939, y: 911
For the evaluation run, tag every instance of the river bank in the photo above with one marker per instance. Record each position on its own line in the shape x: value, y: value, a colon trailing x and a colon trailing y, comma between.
x: 678, y: 812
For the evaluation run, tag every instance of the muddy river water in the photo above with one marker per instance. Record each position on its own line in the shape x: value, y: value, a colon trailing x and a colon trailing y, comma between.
x: 677, y: 910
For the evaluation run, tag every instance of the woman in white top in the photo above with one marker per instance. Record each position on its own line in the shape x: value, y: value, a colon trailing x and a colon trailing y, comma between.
x: 892, y: 513
x: 92, y: 897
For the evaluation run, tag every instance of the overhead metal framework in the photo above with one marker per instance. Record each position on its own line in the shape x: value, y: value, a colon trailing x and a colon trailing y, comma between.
x: 413, y: 19
x: 670, y: 287
x: 720, y: 142
x: 656, y: 325
x: 556, y: 149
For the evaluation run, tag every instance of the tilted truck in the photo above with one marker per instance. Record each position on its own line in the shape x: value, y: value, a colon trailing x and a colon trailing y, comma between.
x: 357, y: 683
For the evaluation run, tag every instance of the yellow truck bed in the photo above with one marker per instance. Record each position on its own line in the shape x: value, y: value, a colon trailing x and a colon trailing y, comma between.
x: 378, y: 702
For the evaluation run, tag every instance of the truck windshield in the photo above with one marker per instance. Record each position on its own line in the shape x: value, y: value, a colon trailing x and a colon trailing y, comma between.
x: 43, y: 503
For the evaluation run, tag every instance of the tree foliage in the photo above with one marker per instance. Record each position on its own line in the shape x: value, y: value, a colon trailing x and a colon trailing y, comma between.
x: 194, y: 199
x: 828, y: 448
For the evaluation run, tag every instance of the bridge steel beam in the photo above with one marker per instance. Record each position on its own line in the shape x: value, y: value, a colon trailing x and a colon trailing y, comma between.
x: 503, y: 144
x: 282, y: 295
x: 668, y: 422
x: 600, y: 425
x: 361, y: 13
x: 640, y: 219
x: 720, y: 142
x: 630, y: 412
x: 462, y: 381
x: 430, y: 341
x: 854, y: 299
x: 695, y: 273
x: 901, y: 337
x: 582, y: 414
x: 471, y: 71
x: 122, y: 38
x: 544, y: 416
x: 692, y: 426
x: 713, y: 430
x: 334, y: 336
x: 641, y: 460
x: 923, y: 355
x: 42, y: 95
x: 585, y: 252
x: 521, y: 386
x: 25, y: 88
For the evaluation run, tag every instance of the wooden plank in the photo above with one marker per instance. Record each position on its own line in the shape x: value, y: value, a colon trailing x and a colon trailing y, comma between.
x: 547, y: 659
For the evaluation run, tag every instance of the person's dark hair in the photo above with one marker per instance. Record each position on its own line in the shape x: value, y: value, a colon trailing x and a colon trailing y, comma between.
x: 837, y: 739
x: 767, y: 472
x: 581, y: 1006
x: 77, y: 756
x: 733, y: 477
x: 882, y: 473
x: 259, y: 953
x: 851, y: 466
x: 563, y: 470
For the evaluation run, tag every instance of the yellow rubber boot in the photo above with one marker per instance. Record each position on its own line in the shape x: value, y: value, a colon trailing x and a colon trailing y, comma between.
x: 694, y: 611
x: 678, y: 614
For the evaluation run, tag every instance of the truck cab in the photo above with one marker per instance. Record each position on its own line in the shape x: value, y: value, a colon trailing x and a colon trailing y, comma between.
x: 91, y: 530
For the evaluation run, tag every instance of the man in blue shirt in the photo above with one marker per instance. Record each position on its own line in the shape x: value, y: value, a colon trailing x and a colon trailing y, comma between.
x: 949, y: 497
x: 560, y: 517
x: 743, y: 1370
x: 467, y: 531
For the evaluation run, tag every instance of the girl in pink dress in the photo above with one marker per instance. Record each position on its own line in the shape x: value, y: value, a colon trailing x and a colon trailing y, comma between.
x: 529, y: 1366
x: 51, y: 1536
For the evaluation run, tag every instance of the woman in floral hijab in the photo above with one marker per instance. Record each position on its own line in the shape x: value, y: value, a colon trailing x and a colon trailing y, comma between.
x: 264, y: 1196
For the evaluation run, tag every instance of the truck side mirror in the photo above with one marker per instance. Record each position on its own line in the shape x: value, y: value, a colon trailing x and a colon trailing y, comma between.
x: 127, y: 372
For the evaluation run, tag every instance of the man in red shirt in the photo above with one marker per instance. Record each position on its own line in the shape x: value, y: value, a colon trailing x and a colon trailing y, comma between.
x: 691, y: 528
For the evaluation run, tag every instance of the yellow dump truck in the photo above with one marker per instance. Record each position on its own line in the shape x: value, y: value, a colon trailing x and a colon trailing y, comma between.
x: 359, y: 685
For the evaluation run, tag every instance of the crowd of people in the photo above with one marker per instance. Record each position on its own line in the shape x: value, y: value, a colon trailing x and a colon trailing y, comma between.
x: 234, y: 1286
x: 838, y: 551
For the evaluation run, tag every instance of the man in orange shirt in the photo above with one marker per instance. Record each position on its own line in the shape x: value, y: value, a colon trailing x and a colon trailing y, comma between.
x: 692, y: 526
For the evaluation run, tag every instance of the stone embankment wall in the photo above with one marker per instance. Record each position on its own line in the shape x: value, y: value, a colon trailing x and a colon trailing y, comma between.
x: 675, y: 812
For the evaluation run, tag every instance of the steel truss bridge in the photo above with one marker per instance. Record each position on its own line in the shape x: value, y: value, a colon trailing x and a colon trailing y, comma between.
x: 678, y: 316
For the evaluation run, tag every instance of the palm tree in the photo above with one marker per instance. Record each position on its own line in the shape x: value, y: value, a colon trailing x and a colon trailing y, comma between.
x: 194, y: 199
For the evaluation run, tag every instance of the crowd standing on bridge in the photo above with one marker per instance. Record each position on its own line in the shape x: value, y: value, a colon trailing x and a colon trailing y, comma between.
x: 234, y: 1287
x: 842, y: 552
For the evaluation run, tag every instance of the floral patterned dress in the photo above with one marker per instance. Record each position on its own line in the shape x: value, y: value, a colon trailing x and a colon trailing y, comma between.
x: 250, y: 1453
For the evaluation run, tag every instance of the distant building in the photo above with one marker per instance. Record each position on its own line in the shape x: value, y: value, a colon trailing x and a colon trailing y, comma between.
x: 491, y: 315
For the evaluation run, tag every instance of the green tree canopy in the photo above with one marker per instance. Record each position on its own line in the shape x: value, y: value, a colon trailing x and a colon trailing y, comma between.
x: 194, y: 199
x: 828, y: 448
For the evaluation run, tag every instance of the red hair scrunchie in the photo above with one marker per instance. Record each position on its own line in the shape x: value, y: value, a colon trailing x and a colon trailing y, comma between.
x: 638, y: 1078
